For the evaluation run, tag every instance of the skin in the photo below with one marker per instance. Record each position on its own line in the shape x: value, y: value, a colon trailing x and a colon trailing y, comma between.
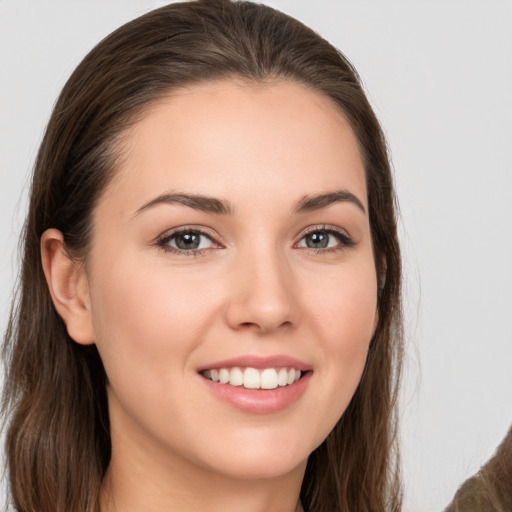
x: 254, y: 288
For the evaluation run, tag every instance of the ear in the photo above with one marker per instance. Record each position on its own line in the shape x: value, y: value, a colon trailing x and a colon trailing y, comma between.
x: 68, y: 286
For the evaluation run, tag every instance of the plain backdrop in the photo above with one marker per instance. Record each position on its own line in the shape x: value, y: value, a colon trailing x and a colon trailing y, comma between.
x: 439, y: 74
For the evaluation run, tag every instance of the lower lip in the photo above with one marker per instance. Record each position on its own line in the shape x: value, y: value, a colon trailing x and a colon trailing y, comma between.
x: 259, y: 401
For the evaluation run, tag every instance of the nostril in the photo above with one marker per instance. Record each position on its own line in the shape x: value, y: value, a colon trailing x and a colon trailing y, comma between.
x: 264, y: 326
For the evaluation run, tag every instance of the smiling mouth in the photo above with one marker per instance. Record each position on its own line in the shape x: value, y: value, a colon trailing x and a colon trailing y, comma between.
x: 252, y: 378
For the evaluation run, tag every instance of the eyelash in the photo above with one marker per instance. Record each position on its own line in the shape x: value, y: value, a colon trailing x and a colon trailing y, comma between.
x: 163, y: 242
x: 344, y: 240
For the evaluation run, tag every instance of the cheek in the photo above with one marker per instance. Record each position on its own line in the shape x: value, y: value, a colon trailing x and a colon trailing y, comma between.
x: 146, y: 322
x: 343, y: 318
x: 144, y: 316
x: 345, y: 307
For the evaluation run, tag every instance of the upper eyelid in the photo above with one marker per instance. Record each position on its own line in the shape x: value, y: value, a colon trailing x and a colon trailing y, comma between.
x: 187, y: 228
x: 323, y: 227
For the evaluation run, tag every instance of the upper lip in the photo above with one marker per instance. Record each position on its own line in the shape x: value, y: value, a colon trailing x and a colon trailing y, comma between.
x: 259, y: 362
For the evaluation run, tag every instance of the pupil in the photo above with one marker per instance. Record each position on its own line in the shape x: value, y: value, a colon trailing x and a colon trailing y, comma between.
x: 317, y: 240
x: 188, y: 241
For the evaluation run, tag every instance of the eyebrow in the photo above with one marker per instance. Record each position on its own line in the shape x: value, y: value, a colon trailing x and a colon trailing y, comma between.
x: 224, y: 207
x: 317, y: 202
x: 197, y: 202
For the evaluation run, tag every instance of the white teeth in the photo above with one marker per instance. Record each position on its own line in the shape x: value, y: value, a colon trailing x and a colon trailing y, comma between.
x: 282, y: 378
x: 236, y: 377
x: 268, y: 379
x: 252, y: 378
x: 223, y: 376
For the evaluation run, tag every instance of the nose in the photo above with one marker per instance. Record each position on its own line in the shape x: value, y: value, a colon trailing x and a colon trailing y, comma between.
x: 263, y: 295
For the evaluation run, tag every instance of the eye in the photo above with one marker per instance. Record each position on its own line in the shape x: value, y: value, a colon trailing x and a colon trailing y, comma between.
x: 187, y: 241
x: 325, y: 238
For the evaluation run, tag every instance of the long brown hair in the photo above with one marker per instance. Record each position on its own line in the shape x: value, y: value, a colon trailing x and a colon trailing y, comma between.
x: 58, y: 441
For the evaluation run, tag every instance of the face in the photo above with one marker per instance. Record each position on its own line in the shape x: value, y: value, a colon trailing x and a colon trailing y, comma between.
x: 231, y: 279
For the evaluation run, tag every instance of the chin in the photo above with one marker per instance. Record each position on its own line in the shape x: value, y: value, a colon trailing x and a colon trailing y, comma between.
x: 261, y: 458
x: 259, y: 468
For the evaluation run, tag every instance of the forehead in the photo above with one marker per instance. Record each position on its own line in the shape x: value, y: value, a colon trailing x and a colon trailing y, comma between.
x: 223, y: 137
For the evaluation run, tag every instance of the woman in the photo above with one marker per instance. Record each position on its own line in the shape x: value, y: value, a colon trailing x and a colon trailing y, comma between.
x: 209, y: 310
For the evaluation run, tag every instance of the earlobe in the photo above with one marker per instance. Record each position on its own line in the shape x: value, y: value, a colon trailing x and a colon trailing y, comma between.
x: 68, y: 287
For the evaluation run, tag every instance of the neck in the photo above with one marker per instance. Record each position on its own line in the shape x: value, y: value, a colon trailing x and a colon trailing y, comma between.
x: 144, y: 480
x: 122, y: 492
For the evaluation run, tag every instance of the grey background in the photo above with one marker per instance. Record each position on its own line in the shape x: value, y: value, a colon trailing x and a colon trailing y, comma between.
x: 439, y: 74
